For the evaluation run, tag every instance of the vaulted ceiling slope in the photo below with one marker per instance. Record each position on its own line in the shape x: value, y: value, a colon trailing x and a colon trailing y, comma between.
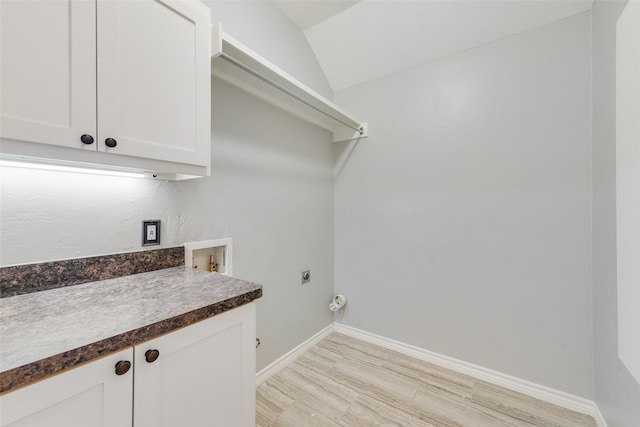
x: 359, y: 41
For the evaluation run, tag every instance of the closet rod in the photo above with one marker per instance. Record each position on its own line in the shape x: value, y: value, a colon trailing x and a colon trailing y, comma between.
x: 278, y: 86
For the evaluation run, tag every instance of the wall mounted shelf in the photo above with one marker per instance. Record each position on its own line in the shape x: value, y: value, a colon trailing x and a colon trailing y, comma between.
x: 237, y: 64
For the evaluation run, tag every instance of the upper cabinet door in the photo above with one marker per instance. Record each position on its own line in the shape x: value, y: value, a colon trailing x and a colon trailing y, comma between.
x: 48, y: 71
x: 154, y: 79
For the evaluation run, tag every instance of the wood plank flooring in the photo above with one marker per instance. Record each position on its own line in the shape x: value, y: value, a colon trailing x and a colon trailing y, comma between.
x: 343, y: 381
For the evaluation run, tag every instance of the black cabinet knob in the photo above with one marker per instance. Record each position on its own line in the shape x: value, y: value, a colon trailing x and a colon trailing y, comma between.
x: 110, y: 142
x: 151, y: 355
x: 122, y: 367
x: 86, y: 139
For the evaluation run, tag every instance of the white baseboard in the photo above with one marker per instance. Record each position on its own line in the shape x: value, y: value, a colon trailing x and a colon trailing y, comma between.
x: 556, y: 397
x: 282, y: 362
x: 600, y: 421
x: 538, y: 391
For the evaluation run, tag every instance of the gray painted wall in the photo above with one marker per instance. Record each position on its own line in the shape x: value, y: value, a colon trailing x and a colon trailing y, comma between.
x: 616, y: 391
x: 271, y: 190
x: 463, y: 223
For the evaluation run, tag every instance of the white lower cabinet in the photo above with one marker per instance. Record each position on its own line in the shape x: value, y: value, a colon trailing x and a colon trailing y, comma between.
x: 204, y: 374
x: 199, y: 376
x: 89, y: 395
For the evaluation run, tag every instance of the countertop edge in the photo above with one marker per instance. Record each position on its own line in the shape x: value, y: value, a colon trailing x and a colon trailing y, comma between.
x: 26, y: 374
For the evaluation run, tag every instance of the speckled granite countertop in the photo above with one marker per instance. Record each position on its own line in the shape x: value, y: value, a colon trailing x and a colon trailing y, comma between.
x: 43, y: 333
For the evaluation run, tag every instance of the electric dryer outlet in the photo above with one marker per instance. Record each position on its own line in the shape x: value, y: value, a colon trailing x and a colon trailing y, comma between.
x: 306, y: 276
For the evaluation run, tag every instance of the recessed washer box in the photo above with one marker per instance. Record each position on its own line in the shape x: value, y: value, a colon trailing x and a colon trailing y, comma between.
x: 198, y: 255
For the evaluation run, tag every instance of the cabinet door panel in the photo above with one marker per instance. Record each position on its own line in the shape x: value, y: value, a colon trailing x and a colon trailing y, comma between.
x: 154, y: 79
x: 91, y: 395
x: 204, y: 376
x: 48, y: 71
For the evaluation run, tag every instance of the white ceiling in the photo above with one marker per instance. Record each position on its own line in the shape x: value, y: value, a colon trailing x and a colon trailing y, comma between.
x: 359, y: 41
x: 307, y: 13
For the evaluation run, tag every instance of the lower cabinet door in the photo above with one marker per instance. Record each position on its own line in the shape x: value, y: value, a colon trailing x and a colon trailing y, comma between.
x: 201, y: 375
x: 90, y: 395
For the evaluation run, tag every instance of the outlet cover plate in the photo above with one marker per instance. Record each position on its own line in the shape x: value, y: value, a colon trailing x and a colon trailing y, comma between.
x: 151, y: 232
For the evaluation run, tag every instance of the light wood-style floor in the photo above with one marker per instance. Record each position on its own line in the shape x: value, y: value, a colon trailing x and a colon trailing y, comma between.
x: 343, y: 381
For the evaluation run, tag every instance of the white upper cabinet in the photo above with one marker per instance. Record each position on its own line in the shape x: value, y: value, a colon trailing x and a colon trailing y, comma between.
x: 48, y: 71
x: 153, y: 64
x: 107, y: 82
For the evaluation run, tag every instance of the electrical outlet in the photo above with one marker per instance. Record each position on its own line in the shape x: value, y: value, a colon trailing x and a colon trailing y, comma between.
x: 151, y: 232
x: 306, y: 276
